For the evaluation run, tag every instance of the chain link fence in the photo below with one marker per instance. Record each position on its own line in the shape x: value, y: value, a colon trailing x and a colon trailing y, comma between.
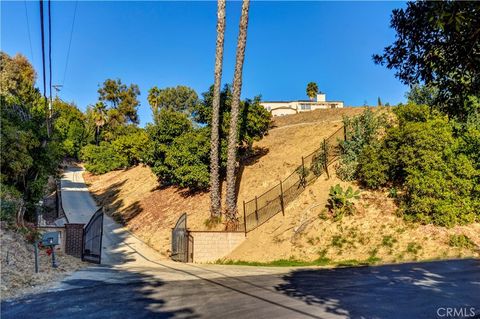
x: 263, y: 207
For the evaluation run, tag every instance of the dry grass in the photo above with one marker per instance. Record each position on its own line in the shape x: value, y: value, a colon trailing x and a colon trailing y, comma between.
x: 18, y: 270
x: 375, y: 232
x: 134, y: 196
x: 150, y: 212
x: 326, y: 115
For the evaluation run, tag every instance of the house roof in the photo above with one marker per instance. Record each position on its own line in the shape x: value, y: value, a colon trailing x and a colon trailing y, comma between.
x: 303, y: 101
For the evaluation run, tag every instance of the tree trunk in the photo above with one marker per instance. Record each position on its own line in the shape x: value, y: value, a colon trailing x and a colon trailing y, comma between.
x: 232, y: 219
x: 215, y: 191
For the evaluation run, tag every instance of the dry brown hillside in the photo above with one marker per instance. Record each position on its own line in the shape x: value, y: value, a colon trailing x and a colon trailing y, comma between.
x: 134, y: 195
x: 374, y: 233
x: 151, y: 212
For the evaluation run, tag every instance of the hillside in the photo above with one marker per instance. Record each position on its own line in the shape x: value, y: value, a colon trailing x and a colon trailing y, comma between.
x: 374, y: 233
x: 134, y: 196
x: 18, y: 270
x: 151, y: 212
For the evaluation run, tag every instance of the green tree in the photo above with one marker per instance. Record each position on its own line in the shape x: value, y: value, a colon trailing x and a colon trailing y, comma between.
x: 379, y: 102
x: 215, y: 189
x: 98, y: 118
x: 120, y: 100
x: 312, y: 90
x: 187, y: 159
x: 170, y: 125
x: 437, y: 44
x: 69, y: 126
x: 422, y: 95
x: 423, y: 157
x: 231, y: 199
x: 102, y: 158
x: 180, y: 98
x: 26, y: 158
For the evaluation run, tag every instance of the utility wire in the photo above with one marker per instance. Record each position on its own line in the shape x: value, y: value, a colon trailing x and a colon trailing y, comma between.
x: 70, y: 43
x: 43, y: 65
x: 28, y: 28
x: 50, y: 50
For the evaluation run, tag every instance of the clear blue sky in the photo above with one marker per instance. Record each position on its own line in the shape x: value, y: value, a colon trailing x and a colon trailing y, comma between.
x: 170, y: 43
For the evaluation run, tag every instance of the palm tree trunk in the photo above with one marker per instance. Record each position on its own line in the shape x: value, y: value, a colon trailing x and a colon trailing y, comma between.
x: 215, y: 191
x: 232, y: 219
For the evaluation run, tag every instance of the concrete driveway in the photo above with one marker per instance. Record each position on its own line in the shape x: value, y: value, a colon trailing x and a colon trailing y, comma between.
x: 136, y: 282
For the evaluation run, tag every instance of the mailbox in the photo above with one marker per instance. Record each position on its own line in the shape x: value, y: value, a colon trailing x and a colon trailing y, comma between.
x: 50, y: 239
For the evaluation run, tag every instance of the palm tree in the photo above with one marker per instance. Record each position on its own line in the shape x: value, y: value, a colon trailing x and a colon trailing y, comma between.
x: 312, y: 90
x: 215, y: 191
x: 99, y: 116
x: 231, y: 200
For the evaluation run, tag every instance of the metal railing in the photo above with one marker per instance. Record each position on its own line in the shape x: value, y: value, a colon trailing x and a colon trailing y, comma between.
x: 260, y: 209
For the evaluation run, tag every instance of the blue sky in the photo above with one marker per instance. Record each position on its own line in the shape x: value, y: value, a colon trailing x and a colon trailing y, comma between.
x: 169, y: 43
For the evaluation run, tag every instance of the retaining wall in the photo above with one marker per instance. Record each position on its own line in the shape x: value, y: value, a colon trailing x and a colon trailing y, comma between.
x: 209, y: 246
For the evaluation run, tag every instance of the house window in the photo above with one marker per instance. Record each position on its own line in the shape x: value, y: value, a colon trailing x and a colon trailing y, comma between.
x: 305, y: 107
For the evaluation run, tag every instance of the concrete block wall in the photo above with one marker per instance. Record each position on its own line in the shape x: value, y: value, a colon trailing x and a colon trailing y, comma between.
x: 209, y: 246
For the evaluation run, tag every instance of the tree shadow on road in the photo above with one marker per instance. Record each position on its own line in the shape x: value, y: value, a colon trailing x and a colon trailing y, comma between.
x: 415, y: 290
x: 119, y: 294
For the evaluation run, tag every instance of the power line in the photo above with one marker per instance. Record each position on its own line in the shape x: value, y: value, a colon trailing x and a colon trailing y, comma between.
x: 50, y: 50
x: 43, y: 65
x: 28, y: 28
x: 70, y: 43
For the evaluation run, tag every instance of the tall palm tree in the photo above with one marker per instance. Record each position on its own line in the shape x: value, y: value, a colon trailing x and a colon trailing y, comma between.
x: 215, y: 191
x: 231, y: 200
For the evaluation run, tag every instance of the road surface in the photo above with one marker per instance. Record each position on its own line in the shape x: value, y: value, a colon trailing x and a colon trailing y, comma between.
x: 136, y: 282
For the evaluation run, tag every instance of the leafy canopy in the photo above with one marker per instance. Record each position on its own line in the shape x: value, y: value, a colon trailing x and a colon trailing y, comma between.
x: 438, y: 44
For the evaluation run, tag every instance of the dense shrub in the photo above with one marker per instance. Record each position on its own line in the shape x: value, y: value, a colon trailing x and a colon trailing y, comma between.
x: 179, y: 149
x: 169, y: 125
x: 187, y: 160
x: 361, y: 130
x: 103, y: 158
x: 428, y: 159
x: 10, y: 202
x: 461, y: 241
x: 132, y: 146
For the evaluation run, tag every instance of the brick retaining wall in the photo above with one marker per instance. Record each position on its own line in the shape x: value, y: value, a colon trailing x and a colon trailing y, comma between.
x: 209, y: 246
x: 74, y: 239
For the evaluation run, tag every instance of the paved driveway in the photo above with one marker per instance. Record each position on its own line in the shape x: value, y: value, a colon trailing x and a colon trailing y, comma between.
x: 422, y: 290
x: 136, y: 282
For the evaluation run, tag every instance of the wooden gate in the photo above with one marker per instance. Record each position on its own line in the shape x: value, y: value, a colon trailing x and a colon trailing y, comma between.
x: 92, y: 238
x: 182, y: 242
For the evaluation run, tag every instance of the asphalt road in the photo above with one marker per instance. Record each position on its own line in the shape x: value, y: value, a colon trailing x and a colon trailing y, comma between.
x: 136, y: 282
x: 421, y: 290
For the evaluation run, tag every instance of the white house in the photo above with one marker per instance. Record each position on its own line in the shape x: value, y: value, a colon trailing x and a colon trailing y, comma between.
x: 280, y: 108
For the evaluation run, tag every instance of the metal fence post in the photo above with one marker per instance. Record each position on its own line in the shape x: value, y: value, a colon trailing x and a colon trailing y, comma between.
x: 244, y: 219
x: 303, y: 176
x: 282, y: 204
x: 326, y: 157
x: 256, y: 209
x: 57, y: 199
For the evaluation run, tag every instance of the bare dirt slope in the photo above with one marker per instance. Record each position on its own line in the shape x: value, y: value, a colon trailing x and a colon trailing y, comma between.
x: 375, y: 233
x: 18, y: 275
x: 134, y: 196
